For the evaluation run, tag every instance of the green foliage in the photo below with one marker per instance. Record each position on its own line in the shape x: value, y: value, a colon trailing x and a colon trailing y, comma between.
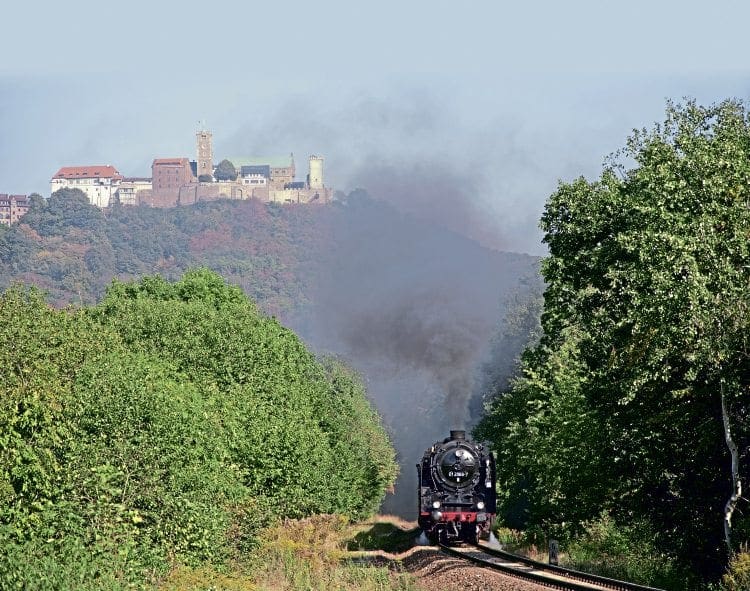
x: 225, y: 171
x: 37, y: 565
x: 306, y: 554
x: 275, y: 395
x: 166, y: 426
x: 737, y: 577
x: 626, y: 553
x: 645, y: 323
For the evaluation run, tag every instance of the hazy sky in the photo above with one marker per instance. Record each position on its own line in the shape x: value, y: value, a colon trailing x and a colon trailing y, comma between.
x: 487, y: 103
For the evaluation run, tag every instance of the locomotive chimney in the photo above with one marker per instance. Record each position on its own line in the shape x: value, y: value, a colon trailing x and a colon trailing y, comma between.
x: 458, y: 434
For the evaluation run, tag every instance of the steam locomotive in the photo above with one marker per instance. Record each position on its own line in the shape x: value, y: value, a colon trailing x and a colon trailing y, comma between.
x: 457, y: 497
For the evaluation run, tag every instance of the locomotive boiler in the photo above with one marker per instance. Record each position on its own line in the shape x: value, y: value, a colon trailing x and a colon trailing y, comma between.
x: 457, y: 497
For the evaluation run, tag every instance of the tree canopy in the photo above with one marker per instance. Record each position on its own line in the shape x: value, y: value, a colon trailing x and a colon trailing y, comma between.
x: 619, y: 407
x: 225, y: 171
x: 164, y: 425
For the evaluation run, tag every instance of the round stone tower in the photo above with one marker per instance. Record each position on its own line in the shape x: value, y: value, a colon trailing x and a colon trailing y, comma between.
x: 315, y: 178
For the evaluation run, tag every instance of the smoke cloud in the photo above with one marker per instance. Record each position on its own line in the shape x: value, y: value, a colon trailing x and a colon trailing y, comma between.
x: 412, y: 290
x: 413, y: 307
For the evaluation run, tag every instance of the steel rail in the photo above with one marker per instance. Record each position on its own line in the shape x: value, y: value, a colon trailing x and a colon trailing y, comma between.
x: 568, y: 572
x: 541, y: 573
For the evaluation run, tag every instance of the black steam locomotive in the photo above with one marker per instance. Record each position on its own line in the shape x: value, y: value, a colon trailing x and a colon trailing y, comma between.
x: 457, y: 497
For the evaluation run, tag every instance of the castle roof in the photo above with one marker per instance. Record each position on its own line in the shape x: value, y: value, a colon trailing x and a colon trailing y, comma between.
x: 19, y: 199
x: 170, y: 162
x: 262, y: 169
x: 87, y: 172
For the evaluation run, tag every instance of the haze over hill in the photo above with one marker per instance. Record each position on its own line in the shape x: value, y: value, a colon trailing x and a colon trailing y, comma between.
x: 409, y: 304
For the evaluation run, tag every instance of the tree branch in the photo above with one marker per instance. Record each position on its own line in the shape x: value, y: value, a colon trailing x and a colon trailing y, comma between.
x: 731, y: 503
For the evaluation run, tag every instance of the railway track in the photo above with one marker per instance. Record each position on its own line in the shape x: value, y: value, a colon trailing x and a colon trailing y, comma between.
x: 555, y: 577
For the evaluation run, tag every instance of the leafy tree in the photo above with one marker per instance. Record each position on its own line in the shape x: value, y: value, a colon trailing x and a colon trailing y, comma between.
x: 225, y: 171
x: 205, y: 178
x: 645, y: 324
x: 163, y: 427
x: 36, y: 201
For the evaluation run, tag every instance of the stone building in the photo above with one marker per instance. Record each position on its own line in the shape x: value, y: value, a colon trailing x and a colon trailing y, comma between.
x: 99, y: 183
x: 177, y: 181
x: 168, y: 176
x: 12, y: 208
x: 274, y: 179
x: 132, y: 190
x: 278, y: 170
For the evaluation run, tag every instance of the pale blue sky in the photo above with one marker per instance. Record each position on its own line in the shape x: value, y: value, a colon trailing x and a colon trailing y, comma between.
x: 509, y: 97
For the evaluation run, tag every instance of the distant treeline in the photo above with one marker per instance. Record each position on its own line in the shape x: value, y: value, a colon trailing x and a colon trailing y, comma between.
x: 72, y: 249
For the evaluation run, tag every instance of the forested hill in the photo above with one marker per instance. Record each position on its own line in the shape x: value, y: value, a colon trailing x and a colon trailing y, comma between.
x: 72, y: 249
x: 277, y: 254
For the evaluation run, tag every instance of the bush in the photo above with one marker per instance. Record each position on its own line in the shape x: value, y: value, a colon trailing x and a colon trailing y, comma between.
x: 628, y: 553
x: 166, y: 427
x: 737, y: 577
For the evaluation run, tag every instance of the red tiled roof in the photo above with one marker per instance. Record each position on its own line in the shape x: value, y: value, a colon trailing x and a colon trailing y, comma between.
x: 170, y: 161
x: 87, y: 172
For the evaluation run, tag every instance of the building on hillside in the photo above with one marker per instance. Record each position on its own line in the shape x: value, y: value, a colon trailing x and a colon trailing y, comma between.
x: 279, y: 175
x: 12, y: 208
x: 256, y: 179
x: 278, y: 170
x: 132, y: 190
x: 312, y: 190
x: 255, y: 175
x: 177, y: 181
x: 168, y: 175
x: 99, y: 183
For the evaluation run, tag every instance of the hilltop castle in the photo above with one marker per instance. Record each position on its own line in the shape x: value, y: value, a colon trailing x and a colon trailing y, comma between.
x: 180, y: 181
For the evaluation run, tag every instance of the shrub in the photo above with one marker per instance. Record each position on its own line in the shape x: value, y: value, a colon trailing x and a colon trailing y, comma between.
x: 164, y: 428
x: 737, y: 577
x: 628, y: 553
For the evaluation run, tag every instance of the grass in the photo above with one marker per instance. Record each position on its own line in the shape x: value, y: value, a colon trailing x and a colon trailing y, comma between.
x: 520, y: 543
x: 307, y: 555
x: 383, y: 532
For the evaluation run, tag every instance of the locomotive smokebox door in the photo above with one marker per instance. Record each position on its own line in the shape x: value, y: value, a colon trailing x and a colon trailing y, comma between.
x: 456, y: 492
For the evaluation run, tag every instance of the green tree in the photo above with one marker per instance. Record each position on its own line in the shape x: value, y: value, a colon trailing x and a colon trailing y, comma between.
x: 165, y: 426
x: 647, y: 298
x: 225, y: 171
x: 36, y: 201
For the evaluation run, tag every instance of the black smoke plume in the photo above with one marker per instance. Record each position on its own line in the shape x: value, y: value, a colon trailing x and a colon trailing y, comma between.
x: 413, y: 306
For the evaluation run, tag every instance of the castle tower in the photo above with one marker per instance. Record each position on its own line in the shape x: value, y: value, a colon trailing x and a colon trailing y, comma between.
x: 205, y: 153
x: 315, y: 178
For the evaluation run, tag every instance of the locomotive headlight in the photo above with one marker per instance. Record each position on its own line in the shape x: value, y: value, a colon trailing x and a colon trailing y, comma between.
x: 436, y: 515
x: 436, y: 504
x: 480, y: 505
